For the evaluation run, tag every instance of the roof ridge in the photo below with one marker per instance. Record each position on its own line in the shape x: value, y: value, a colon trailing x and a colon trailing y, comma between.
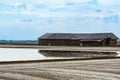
x: 78, y: 36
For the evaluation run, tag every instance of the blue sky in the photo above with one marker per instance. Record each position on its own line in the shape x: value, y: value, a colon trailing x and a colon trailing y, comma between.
x: 29, y: 19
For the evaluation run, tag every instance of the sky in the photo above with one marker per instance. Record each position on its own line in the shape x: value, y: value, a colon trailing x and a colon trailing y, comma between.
x: 29, y: 19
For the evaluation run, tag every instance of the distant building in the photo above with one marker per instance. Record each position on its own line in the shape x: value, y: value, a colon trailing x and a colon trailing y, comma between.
x: 78, y: 39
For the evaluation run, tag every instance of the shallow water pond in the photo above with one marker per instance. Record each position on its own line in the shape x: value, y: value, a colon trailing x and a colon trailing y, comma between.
x: 20, y: 54
x: 10, y: 54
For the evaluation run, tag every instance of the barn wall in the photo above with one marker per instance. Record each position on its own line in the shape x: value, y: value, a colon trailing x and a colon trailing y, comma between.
x: 111, y: 42
x: 92, y: 43
x: 59, y: 42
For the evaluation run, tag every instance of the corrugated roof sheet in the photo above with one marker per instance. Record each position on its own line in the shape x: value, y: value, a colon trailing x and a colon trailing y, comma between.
x: 78, y: 36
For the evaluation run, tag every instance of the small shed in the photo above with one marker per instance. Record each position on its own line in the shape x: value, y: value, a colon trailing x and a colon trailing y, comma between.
x: 78, y: 39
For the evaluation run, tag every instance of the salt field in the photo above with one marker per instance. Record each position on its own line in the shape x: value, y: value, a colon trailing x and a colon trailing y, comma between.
x: 10, y: 54
x: 97, y: 69
x: 20, y: 54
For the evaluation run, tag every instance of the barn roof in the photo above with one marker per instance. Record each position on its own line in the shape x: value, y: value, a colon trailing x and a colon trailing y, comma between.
x: 78, y: 36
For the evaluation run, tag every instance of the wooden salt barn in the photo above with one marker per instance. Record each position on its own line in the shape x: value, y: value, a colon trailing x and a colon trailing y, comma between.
x: 78, y: 39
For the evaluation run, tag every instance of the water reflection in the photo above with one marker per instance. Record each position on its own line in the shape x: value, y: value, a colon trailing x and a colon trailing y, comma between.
x: 77, y: 54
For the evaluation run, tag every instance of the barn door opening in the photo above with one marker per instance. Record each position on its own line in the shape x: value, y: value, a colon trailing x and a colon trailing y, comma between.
x: 108, y: 41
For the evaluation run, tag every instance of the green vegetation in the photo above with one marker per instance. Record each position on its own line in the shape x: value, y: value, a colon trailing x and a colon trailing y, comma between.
x: 34, y: 42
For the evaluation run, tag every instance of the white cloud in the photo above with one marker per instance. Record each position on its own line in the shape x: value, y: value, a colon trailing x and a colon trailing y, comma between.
x: 109, y: 2
x: 55, y: 8
x: 80, y: 1
x: 59, y: 15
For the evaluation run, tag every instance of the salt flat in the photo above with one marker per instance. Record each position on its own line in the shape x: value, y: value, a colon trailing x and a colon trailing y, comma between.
x: 106, y: 69
x: 96, y: 69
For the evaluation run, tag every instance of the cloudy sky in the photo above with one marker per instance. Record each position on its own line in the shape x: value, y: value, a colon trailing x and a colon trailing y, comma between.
x: 29, y: 19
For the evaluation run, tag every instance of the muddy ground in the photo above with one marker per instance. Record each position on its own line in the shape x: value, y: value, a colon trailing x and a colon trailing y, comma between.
x: 106, y: 69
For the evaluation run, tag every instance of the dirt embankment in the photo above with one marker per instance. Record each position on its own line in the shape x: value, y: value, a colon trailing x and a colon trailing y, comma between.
x: 67, y: 70
x: 64, y: 48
